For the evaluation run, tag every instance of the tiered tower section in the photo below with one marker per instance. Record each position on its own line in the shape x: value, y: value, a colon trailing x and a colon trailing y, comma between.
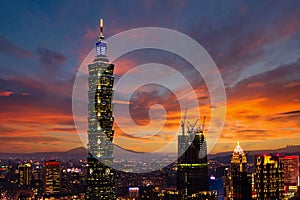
x: 100, y: 177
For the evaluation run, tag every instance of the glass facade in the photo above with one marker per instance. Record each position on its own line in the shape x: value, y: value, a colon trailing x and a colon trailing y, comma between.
x: 100, y: 176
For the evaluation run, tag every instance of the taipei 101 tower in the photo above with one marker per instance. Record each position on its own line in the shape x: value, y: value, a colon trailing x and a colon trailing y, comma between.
x: 100, y: 176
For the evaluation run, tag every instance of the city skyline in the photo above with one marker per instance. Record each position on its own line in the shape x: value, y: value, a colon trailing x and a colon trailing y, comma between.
x: 258, y: 60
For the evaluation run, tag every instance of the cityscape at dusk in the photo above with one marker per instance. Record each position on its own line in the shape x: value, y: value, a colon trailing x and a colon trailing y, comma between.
x: 255, y: 46
x: 116, y: 108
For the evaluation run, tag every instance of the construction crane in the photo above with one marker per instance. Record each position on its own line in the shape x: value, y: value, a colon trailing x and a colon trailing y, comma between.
x: 188, y: 126
x: 203, y: 124
x: 191, y: 127
x: 183, y: 122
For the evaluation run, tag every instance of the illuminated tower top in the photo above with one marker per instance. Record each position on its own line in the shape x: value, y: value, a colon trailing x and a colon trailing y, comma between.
x: 238, y: 158
x: 238, y: 149
x: 101, y: 45
x: 101, y: 36
x: 239, y: 178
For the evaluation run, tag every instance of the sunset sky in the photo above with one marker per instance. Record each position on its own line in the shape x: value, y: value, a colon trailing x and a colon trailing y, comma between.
x: 255, y: 45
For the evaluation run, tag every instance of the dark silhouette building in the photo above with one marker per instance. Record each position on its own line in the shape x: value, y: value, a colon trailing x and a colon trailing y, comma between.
x: 100, y: 176
x: 25, y: 175
x: 192, y: 169
x: 239, y: 179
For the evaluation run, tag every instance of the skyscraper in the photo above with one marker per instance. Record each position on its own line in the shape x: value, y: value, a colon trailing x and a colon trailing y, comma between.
x: 52, y: 177
x: 239, y: 179
x: 192, y: 169
x: 291, y: 172
x: 268, y: 179
x: 100, y: 177
x: 25, y: 175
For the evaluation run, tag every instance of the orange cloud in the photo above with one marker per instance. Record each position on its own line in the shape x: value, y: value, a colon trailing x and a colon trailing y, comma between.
x: 292, y: 84
x: 257, y: 84
x: 5, y: 93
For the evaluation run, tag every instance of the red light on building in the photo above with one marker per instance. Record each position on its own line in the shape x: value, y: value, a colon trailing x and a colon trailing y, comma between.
x: 291, y: 157
x: 52, y: 177
x: 52, y: 163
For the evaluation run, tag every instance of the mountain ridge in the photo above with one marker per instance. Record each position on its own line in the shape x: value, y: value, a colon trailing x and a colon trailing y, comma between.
x: 81, y: 152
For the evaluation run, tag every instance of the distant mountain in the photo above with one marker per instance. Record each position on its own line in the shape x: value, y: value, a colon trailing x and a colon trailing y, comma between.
x: 76, y: 153
x: 81, y: 153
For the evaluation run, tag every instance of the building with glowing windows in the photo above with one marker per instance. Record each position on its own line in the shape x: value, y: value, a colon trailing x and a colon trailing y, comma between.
x: 52, y: 177
x: 100, y: 176
x: 239, y: 178
x: 192, y: 169
x: 268, y: 178
x: 25, y: 174
x: 291, y: 173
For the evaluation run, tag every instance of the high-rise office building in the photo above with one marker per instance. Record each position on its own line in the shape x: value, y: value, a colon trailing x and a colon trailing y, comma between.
x: 291, y: 173
x: 100, y: 177
x: 268, y: 178
x: 239, y: 179
x: 192, y: 169
x: 25, y: 174
x: 52, y: 177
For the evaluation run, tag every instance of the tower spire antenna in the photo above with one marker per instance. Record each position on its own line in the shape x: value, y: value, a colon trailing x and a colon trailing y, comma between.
x: 101, y: 36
